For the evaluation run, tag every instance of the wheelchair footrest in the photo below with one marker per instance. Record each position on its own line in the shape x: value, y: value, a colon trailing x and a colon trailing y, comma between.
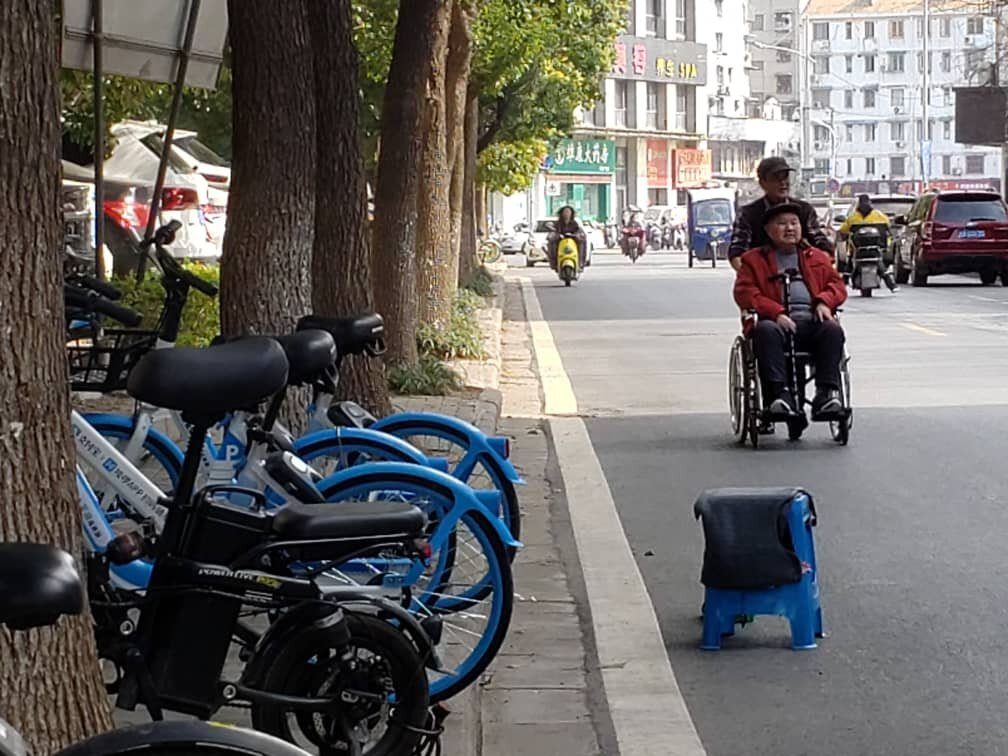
x: 826, y: 417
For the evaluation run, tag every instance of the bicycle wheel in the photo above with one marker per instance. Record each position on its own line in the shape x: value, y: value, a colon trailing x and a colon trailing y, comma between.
x: 467, y: 582
x: 180, y: 739
x: 489, y: 252
x: 480, y: 470
x: 378, y: 677
x: 160, y: 459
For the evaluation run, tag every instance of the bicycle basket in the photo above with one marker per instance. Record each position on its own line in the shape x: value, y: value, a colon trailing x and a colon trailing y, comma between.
x: 102, y: 364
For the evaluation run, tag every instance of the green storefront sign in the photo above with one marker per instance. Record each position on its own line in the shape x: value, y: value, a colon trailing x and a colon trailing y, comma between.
x: 583, y: 156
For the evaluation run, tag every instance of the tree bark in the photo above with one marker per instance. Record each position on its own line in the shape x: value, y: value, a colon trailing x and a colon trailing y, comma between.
x: 341, y: 261
x: 394, y: 239
x: 458, y: 68
x: 266, y: 263
x: 436, y: 277
x: 467, y: 253
x: 50, y: 681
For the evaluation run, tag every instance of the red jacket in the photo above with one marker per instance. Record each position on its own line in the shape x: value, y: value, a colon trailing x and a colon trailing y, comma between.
x: 755, y: 291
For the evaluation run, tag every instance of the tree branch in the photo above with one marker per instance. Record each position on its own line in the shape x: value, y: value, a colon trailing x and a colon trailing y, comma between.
x: 491, y: 131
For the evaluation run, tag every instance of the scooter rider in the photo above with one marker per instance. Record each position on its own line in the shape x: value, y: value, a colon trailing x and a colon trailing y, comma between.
x: 634, y: 227
x: 863, y: 214
x: 567, y: 224
x: 774, y: 176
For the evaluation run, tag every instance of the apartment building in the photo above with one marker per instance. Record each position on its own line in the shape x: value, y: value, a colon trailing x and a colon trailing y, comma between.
x: 866, y: 85
x: 774, y: 71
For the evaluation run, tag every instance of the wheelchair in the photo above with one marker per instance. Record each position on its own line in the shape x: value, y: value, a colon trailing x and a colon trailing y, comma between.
x: 747, y: 403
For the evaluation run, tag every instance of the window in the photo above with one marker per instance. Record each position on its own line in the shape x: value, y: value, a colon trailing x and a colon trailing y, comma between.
x: 946, y: 165
x: 974, y: 164
x: 897, y: 62
x: 820, y: 98
x: 920, y: 27
x: 621, y: 166
x: 620, y: 105
x: 897, y: 166
x: 783, y: 57
x: 850, y: 167
x: 718, y: 42
x: 869, y: 166
x: 682, y: 107
x: 821, y: 166
x: 870, y: 132
x: 849, y: 132
x: 848, y: 99
x: 820, y: 31
x: 897, y: 131
x: 947, y: 98
x: 974, y: 61
x: 920, y: 62
x: 958, y: 209
x: 719, y: 6
x: 654, y: 18
x: 975, y: 25
x: 869, y: 64
x: 896, y: 29
x: 848, y: 64
x: 820, y: 133
x: 946, y: 62
x: 821, y: 64
x: 896, y: 97
x: 782, y: 21
x: 783, y: 83
x: 757, y: 22
x: 680, y: 19
x: 945, y: 26
x: 947, y: 131
x: 652, y: 106
x: 869, y: 98
x: 869, y: 29
x: 849, y: 30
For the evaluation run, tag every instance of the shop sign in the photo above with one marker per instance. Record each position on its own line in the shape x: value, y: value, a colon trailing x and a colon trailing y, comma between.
x: 653, y: 59
x: 583, y: 156
x: 657, y: 163
x: 691, y: 168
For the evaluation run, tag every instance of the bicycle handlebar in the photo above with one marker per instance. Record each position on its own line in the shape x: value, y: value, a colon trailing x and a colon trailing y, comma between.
x: 106, y: 290
x: 164, y: 236
x: 92, y: 302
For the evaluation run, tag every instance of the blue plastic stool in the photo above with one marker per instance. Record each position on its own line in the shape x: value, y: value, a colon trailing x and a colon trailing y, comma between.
x: 745, y: 577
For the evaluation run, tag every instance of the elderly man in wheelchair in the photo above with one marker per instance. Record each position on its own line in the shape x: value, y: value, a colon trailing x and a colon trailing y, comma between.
x: 790, y: 294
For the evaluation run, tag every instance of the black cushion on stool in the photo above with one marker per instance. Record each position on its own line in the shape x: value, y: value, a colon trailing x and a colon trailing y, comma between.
x: 747, y: 538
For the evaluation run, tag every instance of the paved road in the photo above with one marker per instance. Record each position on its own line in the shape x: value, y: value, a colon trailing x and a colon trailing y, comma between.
x: 912, y: 519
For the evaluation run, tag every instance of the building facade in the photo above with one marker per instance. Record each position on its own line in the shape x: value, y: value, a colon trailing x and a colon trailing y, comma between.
x: 645, y: 138
x: 866, y: 126
x: 774, y: 71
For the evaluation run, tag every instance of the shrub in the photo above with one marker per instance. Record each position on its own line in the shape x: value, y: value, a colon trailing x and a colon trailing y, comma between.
x: 429, y: 376
x: 201, y: 316
x: 462, y: 339
x: 481, y: 282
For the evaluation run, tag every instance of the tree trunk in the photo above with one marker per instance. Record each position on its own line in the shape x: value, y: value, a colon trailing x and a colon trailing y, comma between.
x: 394, y: 240
x: 467, y: 251
x: 266, y: 264
x: 436, y: 278
x: 341, y: 262
x: 457, y: 73
x: 50, y: 681
x: 481, y: 211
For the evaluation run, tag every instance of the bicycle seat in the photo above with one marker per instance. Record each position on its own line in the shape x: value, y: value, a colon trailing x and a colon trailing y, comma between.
x: 38, y: 584
x: 357, y: 334
x: 305, y: 522
x: 210, y: 381
x: 309, y: 353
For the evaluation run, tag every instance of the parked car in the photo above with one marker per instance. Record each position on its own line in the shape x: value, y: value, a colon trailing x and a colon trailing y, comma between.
x: 954, y: 232
x: 518, y: 240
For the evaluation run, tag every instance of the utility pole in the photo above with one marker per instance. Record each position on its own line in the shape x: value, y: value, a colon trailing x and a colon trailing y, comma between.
x: 805, y: 96
x: 925, y: 151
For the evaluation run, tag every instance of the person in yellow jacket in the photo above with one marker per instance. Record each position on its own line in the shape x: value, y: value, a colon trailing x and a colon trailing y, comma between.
x: 864, y: 213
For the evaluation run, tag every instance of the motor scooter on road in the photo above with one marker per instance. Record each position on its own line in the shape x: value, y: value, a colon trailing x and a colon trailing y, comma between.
x: 866, y: 258
x: 567, y: 258
x: 634, y: 241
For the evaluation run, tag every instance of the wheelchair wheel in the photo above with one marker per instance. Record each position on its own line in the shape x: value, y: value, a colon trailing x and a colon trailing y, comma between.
x: 754, y: 398
x: 738, y: 404
x: 840, y: 429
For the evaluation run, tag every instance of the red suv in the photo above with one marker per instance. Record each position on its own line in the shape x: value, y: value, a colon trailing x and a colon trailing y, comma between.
x: 954, y: 232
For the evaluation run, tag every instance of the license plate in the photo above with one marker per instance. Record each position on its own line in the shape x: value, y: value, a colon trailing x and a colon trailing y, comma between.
x: 972, y: 233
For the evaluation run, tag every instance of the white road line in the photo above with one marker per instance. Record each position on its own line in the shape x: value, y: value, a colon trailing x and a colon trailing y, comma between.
x: 648, y: 712
x: 922, y: 329
x: 985, y: 299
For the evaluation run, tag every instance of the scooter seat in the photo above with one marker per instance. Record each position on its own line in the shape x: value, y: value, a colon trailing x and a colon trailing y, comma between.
x: 303, y: 522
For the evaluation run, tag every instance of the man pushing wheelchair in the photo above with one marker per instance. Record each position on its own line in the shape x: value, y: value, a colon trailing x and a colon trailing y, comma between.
x: 794, y: 290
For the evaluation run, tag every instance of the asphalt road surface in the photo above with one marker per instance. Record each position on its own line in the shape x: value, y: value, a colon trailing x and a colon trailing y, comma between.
x: 913, y: 523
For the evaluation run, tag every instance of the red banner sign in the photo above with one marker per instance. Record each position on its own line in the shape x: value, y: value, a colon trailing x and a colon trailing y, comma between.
x: 690, y: 168
x: 657, y: 163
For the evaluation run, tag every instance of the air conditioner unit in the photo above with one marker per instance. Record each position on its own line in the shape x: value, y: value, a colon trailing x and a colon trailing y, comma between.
x: 957, y: 171
x: 897, y: 110
x: 722, y: 90
x: 900, y: 144
x: 819, y: 146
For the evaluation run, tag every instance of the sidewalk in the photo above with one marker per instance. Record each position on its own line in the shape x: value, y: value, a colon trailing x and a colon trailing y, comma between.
x: 537, y: 699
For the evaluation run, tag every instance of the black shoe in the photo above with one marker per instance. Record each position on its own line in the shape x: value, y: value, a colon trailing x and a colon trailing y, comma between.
x: 827, y: 402
x: 784, y: 404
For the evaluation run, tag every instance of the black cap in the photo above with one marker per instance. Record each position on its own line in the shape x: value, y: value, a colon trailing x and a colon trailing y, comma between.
x: 784, y: 207
x: 771, y: 165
